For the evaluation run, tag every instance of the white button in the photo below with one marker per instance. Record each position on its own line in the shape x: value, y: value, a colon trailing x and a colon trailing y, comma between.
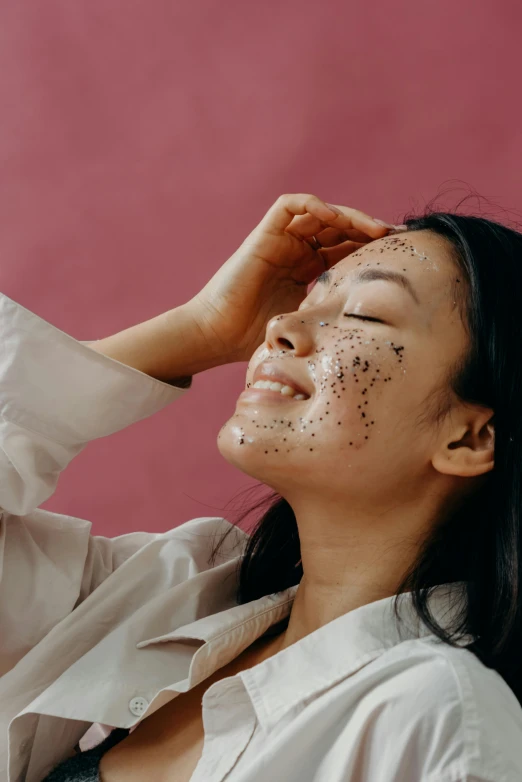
x: 138, y: 706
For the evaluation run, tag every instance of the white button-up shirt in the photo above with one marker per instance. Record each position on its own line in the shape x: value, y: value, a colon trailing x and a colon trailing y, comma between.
x: 100, y: 631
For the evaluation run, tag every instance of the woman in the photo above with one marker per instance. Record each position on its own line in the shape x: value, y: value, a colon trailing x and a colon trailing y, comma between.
x: 382, y: 409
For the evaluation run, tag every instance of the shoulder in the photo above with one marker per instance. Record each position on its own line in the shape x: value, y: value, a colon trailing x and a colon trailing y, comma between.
x: 445, y: 711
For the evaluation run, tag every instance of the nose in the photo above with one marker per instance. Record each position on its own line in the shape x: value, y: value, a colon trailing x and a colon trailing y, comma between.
x: 289, y: 333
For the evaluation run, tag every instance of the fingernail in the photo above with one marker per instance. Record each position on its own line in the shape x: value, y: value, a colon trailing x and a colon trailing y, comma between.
x: 381, y: 222
x: 333, y: 208
x: 400, y: 227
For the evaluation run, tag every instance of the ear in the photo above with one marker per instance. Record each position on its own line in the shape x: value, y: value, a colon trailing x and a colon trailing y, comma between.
x: 469, y: 449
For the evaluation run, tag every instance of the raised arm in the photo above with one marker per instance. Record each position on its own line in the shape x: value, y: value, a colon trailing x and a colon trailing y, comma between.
x: 170, y: 347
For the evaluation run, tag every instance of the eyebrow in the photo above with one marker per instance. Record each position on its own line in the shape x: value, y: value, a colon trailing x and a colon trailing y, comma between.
x: 368, y: 275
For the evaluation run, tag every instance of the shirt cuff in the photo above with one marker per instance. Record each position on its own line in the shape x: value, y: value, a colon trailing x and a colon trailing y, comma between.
x: 57, y: 386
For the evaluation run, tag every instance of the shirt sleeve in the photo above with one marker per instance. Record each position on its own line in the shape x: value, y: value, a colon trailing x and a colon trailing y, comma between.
x: 56, y: 395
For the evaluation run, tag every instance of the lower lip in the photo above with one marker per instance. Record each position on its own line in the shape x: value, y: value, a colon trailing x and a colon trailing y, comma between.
x: 266, y: 396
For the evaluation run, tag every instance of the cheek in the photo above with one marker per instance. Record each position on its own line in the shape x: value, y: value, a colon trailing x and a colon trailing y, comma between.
x: 355, y: 376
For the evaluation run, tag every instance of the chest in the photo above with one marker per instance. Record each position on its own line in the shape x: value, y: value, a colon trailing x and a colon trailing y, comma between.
x: 168, y: 745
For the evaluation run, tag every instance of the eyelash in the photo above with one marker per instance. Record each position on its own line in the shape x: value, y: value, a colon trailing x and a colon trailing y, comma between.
x: 362, y: 317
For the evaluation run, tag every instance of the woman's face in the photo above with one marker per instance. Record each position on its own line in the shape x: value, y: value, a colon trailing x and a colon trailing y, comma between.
x: 368, y: 351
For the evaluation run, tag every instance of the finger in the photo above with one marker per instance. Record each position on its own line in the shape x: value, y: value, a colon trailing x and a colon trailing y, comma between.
x: 308, y: 225
x: 305, y: 226
x: 354, y: 218
x: 329, y: 237
x: 332, y: 255
x: 288, y: 206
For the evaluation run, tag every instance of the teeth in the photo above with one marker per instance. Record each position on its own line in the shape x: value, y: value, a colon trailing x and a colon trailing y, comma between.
x: 285, y: 390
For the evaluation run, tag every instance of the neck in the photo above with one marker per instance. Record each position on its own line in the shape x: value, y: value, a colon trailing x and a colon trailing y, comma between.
x: 350, y: 560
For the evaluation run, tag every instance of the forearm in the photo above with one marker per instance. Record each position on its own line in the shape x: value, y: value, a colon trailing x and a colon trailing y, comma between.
x: 169, y: 347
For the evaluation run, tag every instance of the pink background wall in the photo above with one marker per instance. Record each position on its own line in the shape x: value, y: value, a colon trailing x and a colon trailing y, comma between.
x: 141, y: 141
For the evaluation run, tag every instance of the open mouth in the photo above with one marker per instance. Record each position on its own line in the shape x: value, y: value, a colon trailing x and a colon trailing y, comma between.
x: 266, y: 390
x: 279, y: 388
x: 271, y: 377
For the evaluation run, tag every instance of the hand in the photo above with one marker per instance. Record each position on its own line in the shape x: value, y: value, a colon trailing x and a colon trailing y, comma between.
x: 268, y: 275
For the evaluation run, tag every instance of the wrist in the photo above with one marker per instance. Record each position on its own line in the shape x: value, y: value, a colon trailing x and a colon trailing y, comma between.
x: 169, y: 347
x: 190, y: 348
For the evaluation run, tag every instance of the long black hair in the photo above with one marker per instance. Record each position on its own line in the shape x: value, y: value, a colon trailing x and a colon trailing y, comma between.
x: 480, y: 542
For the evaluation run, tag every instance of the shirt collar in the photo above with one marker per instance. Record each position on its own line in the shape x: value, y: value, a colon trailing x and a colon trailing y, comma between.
x: 337, y: 650
x: 319, y: 660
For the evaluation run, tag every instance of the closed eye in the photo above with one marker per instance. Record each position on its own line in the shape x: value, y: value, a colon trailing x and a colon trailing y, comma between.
x: 362, y: 317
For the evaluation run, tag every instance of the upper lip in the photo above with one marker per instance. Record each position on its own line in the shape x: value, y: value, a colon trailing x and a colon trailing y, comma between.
x: 268, y: 371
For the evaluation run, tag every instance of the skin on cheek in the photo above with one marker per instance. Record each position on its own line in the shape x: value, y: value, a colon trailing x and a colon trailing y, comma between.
x: 349, y: 370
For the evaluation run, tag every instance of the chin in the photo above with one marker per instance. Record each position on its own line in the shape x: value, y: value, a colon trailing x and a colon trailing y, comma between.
x: 232, y: 446
x: 250, y: 458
